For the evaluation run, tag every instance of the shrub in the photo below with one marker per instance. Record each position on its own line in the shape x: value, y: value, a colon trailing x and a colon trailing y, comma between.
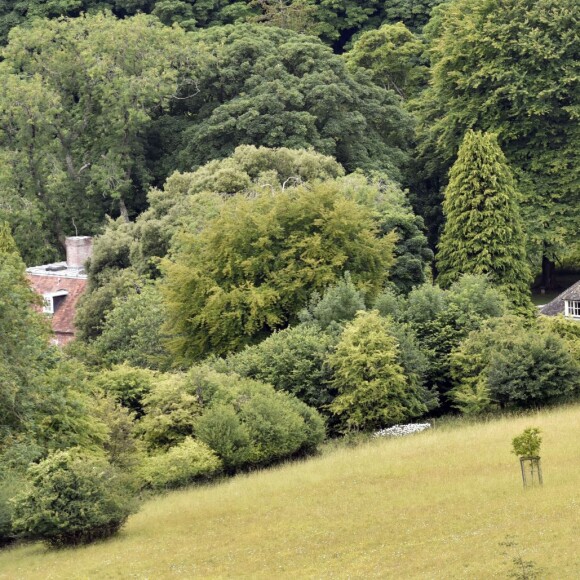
x: 441, y: 319
x: 248, y: 423
x: 129, y: 385
x: 171, y: 409
x: 120, y: 446
x: 292, y: 360
x: 131, y: 331
x: 373, y: 389
x: 183, y: 464
x: 10, y: 484
x: 533, y: 370
x: 221, y: 429
x: 338, y: 304
x: 72, y: 498
x: 508, y: 363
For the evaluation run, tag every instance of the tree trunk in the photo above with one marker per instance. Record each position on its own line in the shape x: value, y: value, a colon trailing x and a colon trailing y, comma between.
x: 548, y: 268
x: 123, y: 210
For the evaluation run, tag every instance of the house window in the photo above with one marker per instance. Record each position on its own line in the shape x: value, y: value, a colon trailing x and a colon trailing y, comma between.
x: 572, y: 308
x: 48, y: 305
x: 52, y: 301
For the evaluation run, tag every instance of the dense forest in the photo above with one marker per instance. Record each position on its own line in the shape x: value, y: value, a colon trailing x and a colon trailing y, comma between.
x: 311, y: 218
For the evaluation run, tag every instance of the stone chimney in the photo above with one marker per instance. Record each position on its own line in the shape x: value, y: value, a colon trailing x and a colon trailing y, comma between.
x: 78, y: 250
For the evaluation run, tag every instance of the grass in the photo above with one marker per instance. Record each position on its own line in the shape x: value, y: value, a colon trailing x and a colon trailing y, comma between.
x: 439, y: 504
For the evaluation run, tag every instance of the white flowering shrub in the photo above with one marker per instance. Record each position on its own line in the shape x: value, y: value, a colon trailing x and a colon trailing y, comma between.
x: 402, y: 430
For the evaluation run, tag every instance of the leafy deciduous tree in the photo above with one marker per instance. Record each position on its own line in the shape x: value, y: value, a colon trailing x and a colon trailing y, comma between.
x: 272, y: 87
x: 252, y: 268
x: 77, y: 97
x: 393, y: 55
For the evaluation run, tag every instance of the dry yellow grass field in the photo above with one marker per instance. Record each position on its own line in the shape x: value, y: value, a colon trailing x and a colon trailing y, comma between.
x: 434, y: 505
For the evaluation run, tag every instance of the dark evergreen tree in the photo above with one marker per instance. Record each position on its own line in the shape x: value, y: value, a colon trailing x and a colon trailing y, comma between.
x: 483, y: 231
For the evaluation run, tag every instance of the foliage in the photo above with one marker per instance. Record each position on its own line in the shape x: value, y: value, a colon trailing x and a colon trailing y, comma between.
x: 510, y: 68
x: 187, y: 199
x: 98, y: 301
x: 297, y: 15
x: 414, y: 14
x: 111, y: 251
x: 120, y: 447
x: 221, y: 429
x: 11, y: 482
x: 264, y: 86
x: 483, y: 232
x: 528, y: 443
x: 24, y: 349
x: 181, y: 465
x: 131, y: 332
x: 75, y: 148
x: 339, y: 304
x: 127, y: 385
x: 533, y: 371
x: 339, y: 21
x: 72, y: 498
x: 390, y: 303
x: 393, y: 55
x: 247, y: 423
x: 509, y: 363
x: 171, y: 409
x: 64, y: 414
x: 252, y: 268
x: 441, y: 319
x: 291, y: 360
x: 333, y: 21
x: 250, y: 167
x: 395, y: 214
x: 568, y: 330
x: 373, y: 391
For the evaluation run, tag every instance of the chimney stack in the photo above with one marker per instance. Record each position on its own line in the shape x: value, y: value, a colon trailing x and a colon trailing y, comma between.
x: 78, y: 250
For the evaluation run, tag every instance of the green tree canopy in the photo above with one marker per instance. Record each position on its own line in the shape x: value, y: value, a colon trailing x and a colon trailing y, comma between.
x: 190, y: 199
x: 511, y: 67
x: 393, y: 55
x: 483, y: 232
x: 76, y: 99
x: 395, y: 214
x: 254, y: 266
x: 335, y: 21
x: 266, y: 86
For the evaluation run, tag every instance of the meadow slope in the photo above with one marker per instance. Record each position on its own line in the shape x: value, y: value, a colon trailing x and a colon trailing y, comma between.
x: 434, y: 505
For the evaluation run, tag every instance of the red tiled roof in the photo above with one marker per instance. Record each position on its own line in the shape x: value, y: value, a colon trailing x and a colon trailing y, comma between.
x: 63, y: 317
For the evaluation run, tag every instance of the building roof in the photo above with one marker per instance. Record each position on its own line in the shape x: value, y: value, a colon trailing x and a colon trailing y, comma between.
x: 557, y: 305
x: 57, y: 282
x: 58, y: 270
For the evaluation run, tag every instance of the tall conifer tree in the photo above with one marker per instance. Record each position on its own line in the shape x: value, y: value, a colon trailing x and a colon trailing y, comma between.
x: 483, y: 231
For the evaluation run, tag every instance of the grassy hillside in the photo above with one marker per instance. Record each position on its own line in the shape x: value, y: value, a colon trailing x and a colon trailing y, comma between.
x: 434, y: 505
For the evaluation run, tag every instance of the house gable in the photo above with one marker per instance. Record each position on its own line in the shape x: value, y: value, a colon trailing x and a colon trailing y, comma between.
x: 567, y: 303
